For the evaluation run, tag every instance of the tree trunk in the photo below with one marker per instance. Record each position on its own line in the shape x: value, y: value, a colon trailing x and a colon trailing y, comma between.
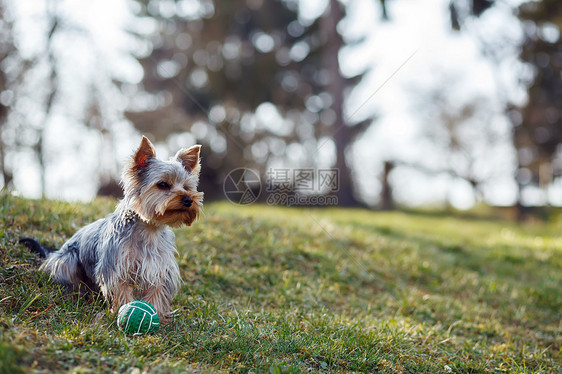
x: 53, y: 84
x: 387, y: 202
x: 341, y: 130
x: 6, y: 174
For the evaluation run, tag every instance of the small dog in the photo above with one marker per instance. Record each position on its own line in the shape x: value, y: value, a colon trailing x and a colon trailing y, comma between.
x: 129, y: 255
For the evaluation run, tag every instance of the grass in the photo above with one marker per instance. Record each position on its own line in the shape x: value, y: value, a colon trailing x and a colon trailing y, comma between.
x: 282, y: 290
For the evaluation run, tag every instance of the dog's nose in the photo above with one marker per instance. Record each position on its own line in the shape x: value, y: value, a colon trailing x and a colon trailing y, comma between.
x: 187, y: 201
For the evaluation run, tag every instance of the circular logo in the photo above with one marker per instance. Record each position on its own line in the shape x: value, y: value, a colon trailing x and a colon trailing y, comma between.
x: 242, y: 186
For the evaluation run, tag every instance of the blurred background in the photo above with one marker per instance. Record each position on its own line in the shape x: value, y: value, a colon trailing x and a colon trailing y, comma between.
x: 416, y: 102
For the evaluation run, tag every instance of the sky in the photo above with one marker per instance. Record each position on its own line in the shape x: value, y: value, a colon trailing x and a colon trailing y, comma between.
x: 403, y: 59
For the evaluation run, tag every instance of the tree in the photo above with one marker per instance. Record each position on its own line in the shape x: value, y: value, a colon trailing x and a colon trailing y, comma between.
x: 343, y: 132
x: 536, y: 126
x: 17, y: 85
x: 464, y: 135
x: 56, y: 79
x: 214, y: 66
x: 10, y: 77
x: 538, y: 134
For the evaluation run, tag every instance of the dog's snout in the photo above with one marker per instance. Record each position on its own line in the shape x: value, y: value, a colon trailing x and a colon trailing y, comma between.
x: 187, y: 201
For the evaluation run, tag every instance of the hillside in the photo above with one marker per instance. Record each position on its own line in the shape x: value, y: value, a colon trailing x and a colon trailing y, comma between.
x: 279, y: 290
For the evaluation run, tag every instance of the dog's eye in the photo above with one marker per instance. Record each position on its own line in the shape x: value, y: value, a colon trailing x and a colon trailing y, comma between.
x: 163, y: 185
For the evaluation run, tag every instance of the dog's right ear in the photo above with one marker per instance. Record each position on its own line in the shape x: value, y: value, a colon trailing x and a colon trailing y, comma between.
x: 189, y: 158
x: 146, y: 151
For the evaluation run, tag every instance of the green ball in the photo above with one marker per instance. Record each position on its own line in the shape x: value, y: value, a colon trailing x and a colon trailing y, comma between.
x: 138, y: 317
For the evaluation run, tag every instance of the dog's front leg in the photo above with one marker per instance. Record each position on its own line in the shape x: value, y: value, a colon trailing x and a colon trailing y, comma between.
x: 157, y: 297
x: 120, y: 295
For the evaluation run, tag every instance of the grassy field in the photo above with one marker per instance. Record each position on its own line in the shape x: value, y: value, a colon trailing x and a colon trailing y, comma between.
x: 294, y: 290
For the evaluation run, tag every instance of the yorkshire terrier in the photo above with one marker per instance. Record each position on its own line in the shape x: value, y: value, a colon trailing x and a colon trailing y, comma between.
x: 129, y: 255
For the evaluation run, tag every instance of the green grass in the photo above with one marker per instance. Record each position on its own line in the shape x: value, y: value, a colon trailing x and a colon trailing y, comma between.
x: 294, y: 290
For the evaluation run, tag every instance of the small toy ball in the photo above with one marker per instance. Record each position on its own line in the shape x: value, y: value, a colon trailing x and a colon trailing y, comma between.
x: 137, y: 318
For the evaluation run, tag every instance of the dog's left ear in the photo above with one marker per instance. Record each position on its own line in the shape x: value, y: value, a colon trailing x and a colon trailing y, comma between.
x: 189, y: 158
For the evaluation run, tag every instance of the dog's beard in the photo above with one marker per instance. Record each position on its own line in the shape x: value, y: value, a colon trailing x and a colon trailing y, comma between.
x: 177, y: 218
x: 175, y: 213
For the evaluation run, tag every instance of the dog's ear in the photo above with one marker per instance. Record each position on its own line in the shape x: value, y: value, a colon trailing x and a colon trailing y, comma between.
x: 146, y: 150
x: 189, y: 158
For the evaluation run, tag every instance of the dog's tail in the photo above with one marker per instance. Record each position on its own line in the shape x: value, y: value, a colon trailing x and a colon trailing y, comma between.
x: 35, y: 246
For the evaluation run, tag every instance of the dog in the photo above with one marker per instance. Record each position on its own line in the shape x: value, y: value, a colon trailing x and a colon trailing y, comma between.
x: 130, y: 254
